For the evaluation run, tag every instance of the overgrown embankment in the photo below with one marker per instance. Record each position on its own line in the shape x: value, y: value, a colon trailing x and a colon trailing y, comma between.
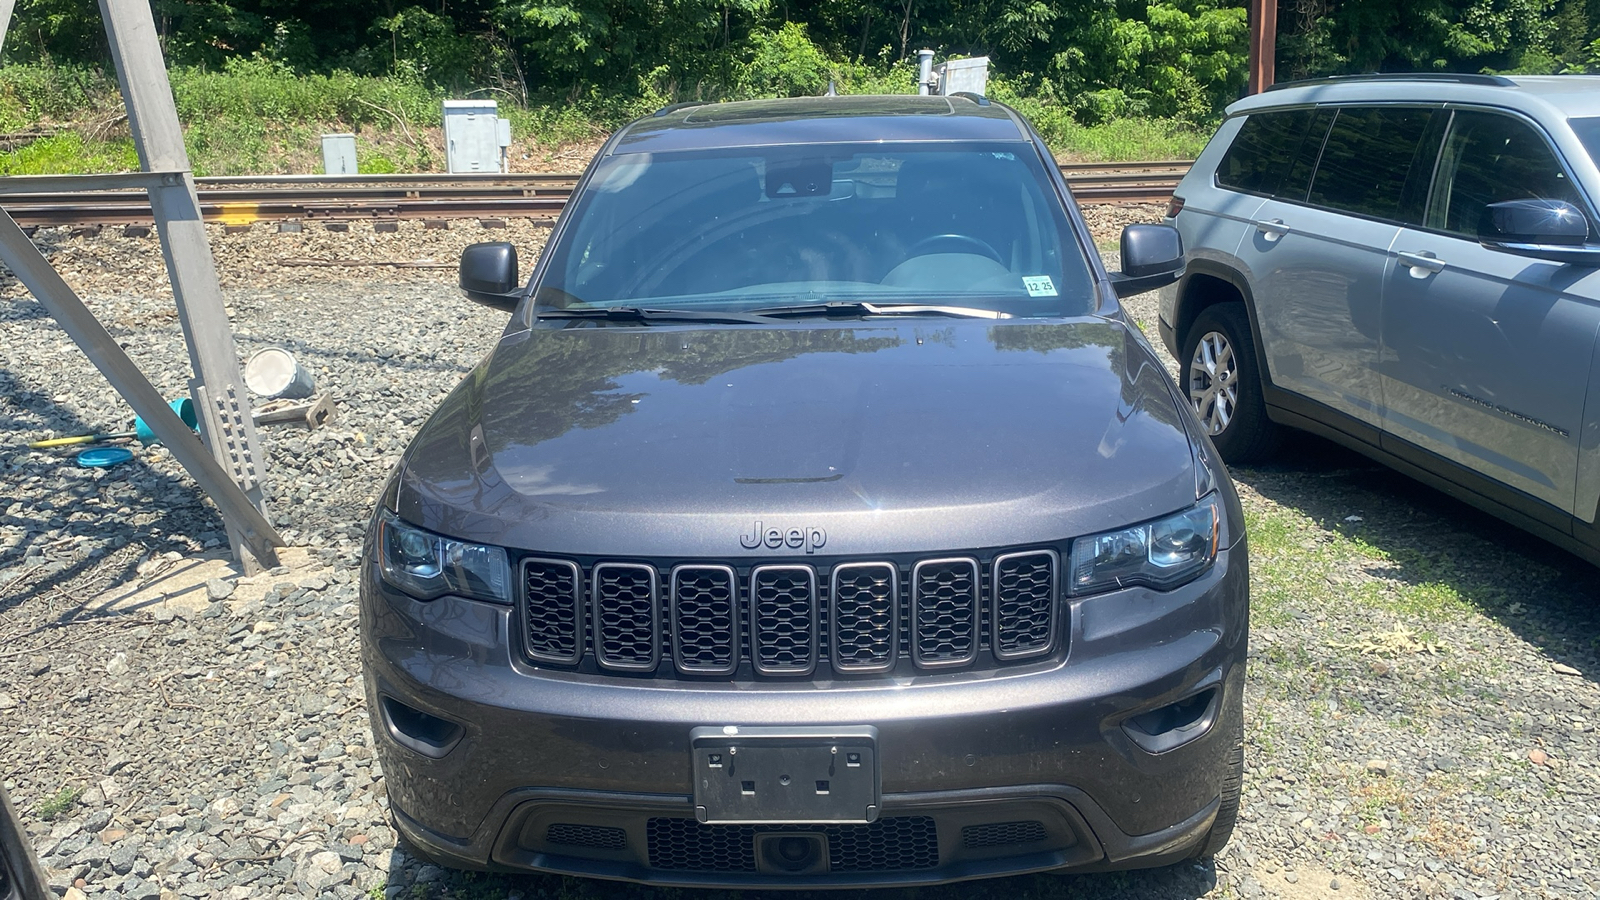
x: 257, y: 117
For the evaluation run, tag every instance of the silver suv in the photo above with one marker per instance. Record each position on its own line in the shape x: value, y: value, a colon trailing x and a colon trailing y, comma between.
x: 1405, y: 265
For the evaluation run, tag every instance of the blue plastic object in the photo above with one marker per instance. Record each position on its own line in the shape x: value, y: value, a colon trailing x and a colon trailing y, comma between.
x: 103, y: 457
x: 183, y: 406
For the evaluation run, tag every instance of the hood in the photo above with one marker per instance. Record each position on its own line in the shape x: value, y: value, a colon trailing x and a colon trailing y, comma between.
x: 872, y: 438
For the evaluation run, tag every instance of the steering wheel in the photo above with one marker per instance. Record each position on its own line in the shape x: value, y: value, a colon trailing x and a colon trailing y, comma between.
x: 966, y: 242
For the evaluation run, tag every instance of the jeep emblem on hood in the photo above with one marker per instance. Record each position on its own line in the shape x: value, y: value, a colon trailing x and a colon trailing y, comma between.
x: 811, y: 539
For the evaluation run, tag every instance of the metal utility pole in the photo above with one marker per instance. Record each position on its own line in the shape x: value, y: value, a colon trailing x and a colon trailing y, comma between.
x: 1263, y: 44
x: 230, y: 475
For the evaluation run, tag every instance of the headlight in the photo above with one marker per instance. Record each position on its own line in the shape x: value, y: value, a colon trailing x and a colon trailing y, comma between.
x: 426, y: 565
x: 1161, y: 554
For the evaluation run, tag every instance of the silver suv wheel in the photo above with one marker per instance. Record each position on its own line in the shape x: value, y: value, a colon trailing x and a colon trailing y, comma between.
x: 1214, y: 382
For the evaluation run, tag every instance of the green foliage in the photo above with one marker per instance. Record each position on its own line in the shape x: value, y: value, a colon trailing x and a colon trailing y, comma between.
x: 68, y: 153
x: 64, y: 800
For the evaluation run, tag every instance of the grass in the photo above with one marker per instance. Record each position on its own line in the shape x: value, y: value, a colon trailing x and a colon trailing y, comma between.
x: 63, y: 801
x: 258, y: 117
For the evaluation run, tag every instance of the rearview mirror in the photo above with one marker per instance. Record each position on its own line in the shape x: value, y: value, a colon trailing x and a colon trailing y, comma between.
x: 1152, y: 257
x: 489, y: 274
x: 1552, y: 230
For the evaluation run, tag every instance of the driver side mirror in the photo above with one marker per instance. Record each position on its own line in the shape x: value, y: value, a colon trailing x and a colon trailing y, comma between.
x: 1152, y: 257
x: 1553, y: 230
x: 489, y: 274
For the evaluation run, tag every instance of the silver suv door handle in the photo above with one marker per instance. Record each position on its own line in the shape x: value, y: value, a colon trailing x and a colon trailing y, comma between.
x: 1272, y: 228
x: 1421, y: 264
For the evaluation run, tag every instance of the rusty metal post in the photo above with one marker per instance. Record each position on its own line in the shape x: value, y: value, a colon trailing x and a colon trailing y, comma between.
x: 1263, y: 44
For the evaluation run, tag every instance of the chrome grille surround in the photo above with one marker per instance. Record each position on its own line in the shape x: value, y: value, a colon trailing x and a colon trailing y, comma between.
x: 944, y: 612
x: 627, y: 617
x: 783, y: 620
x: 865, y: 625
x: 1024, y: 589
x: 705, y: 619
x: 552, y: 592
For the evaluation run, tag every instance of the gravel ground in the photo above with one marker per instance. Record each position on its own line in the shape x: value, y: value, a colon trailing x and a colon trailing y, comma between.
x: 1422, y: 696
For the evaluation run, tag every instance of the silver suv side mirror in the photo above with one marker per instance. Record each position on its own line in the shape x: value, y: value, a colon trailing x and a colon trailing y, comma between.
x: 1553, y: 230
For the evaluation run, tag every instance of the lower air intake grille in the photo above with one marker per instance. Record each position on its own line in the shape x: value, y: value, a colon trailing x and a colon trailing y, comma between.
x: 999, y: 834
x: 594, y: 837
x: 900, y: 843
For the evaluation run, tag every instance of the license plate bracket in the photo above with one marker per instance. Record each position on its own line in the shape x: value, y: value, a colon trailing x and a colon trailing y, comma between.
x: 812, y: 775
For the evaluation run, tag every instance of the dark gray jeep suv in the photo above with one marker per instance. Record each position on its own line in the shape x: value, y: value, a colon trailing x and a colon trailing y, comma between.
x: 819, y: 518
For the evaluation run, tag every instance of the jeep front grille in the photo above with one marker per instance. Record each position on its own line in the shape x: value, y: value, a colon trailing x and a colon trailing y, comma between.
x: 790, y: 620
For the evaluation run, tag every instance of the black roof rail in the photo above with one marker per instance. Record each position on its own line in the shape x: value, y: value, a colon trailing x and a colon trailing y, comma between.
x: 674, y: 107
x: 975, y: 97
x: 1455, y: 77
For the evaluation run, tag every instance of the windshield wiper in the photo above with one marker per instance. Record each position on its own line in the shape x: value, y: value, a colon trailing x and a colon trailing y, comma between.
x: 862, y: 308
x: 644, y: 316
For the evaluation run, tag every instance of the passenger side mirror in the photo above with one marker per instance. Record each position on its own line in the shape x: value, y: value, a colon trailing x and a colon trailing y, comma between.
x: 489, y: 274
x: 1553, y: 230
x: 1152, y: 257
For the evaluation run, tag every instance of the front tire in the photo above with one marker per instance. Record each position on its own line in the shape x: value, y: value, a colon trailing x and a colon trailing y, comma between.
x: 1232, y: 787
x: 1220, y: 378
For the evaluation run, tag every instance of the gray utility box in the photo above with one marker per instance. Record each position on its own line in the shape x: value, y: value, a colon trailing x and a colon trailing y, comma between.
x: 339, y: 154
x: 963, y: 75
x: 475, y: 138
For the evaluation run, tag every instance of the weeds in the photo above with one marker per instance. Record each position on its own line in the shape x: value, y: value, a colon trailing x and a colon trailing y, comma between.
x: 64, y: 800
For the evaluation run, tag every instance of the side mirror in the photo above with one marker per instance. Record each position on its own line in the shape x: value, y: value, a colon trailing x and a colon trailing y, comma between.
x: 1152, y: 257
x: 489, y: 274
x: 1552, y: 230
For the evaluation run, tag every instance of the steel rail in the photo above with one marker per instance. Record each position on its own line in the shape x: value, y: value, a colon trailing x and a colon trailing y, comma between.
x: 230, y: 201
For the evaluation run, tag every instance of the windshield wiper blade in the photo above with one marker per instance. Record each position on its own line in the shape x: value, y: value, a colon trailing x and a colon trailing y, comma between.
x: 644, y: 316
x: 862, y: 308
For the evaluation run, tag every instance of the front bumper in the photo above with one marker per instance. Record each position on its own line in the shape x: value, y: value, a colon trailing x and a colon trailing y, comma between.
x: 586, y: 775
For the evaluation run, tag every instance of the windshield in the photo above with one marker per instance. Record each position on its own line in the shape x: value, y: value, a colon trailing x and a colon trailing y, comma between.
x: 969, y: 225
x: 1588, y: 132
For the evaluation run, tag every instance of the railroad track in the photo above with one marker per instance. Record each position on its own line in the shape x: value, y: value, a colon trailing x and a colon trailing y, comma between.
x: 240, y: 200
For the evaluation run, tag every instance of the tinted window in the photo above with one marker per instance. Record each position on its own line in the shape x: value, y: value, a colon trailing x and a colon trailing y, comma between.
x: 1297, y: 181
x: 1588, y: 131
x: 1369, y: 156
x: 1263, y: 151
x: 1489, y: 158
x: 977, y: 225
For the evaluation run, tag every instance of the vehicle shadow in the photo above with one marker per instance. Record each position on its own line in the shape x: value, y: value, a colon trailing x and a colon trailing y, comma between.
x: 411, y: 880
x: 1541, y: 593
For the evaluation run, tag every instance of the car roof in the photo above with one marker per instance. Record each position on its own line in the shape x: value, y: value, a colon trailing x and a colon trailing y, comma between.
x: 821, y: 120
x: 1563, y: 96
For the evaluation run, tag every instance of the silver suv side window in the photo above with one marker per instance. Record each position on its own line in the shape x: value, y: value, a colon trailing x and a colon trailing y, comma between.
x: 1489, y: 158
x: 1275, y: 152
x: 1376, y: 162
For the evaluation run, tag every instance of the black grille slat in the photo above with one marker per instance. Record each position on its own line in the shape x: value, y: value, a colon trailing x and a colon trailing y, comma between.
x: 864, y: 630
x: 596, y: 837
x: 944, y: 604
x: 627, y: 622
x: 1024, y: 590
x: 552, y: 592
x: 705, y: 619
x: 784, y: 620
x: 892, y: 844
x: 1000, y: 834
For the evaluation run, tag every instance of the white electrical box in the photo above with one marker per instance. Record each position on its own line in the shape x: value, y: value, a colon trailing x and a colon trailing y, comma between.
x: 339, y: 154
x: 963, y: 76
x: 474, y: 136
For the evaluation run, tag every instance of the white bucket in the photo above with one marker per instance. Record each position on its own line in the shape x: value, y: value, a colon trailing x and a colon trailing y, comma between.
x: 272, y: 373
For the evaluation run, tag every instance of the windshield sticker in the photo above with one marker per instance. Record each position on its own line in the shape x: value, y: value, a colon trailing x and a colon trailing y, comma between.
x: 1039, y: 285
